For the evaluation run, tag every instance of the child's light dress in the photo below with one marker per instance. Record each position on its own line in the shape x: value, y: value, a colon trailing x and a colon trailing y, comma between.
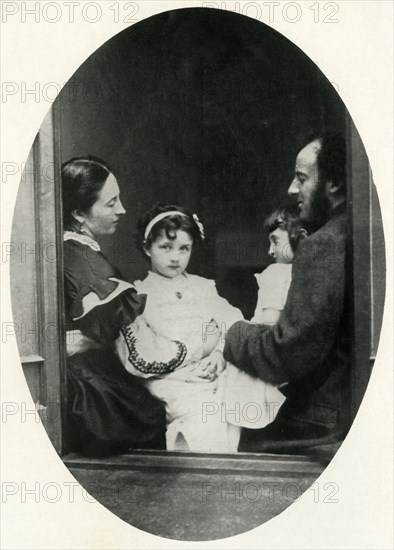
x: 187, y: 309
x: 256, y: 403
x: 274, y: 283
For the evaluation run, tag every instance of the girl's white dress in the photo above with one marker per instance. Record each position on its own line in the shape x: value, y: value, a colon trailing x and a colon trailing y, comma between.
x: 255, y: 402
x: 187, y: 309
x: 274, y: 283
x: 202, y: 415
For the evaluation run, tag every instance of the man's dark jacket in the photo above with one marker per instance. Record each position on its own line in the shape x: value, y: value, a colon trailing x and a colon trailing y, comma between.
x: 309, y: 348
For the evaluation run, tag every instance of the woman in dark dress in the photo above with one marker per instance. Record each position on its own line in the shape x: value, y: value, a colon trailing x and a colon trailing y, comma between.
x: 108, y: 409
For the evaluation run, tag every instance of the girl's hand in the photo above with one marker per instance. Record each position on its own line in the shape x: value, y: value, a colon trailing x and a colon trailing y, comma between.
x: 211, y: 337
x: 208, y: 369
x: 199, y: 372
x: 216, y: 363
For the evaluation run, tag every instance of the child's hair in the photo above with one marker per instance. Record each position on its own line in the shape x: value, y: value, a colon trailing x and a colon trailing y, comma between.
x: 288, y: 218
x: 169, y: 224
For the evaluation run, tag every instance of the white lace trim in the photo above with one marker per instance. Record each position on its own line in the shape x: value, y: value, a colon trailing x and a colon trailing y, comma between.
x: 83, y: 239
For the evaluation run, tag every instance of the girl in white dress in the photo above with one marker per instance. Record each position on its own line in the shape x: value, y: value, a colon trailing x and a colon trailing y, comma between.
x: 184, y: 308
x: 252, y: 395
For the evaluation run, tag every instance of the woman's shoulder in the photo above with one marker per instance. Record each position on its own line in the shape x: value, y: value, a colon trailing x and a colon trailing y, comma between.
x: 70, y: 243
x: 85, y: 267
x: 71, y: 238
x: 79, y: 251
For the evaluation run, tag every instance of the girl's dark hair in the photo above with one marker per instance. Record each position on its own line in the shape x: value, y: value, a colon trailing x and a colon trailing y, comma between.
x: 82, y: 181
x: 170, y: 225
x: 288, y: 218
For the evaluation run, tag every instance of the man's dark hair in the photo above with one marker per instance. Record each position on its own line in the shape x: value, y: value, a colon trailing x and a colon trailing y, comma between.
x: 331, y: 158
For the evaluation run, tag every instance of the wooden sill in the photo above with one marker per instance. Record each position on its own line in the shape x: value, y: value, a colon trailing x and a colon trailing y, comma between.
x: 195, y: 496
x: 242, y: 463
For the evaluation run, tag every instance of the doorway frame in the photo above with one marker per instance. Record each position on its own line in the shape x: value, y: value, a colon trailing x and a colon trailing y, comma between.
x: 47, y: 153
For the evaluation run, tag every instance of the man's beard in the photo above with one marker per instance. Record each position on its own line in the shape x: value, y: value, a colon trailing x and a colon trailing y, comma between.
x: 320, y: 207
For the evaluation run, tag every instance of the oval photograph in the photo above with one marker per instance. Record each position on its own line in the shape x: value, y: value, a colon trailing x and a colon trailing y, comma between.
x: 200, y: 324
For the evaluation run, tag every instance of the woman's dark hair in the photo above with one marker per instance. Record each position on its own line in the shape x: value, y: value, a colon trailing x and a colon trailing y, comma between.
x: 287, y: 218
x: 82, y: 181
x: 170, y: 225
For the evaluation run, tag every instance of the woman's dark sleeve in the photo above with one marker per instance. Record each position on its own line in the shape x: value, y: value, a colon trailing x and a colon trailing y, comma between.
x: 103, y: 323
x: 98, y: 300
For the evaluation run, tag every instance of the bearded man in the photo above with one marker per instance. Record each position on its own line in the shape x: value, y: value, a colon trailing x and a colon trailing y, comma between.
x: 308, y: 352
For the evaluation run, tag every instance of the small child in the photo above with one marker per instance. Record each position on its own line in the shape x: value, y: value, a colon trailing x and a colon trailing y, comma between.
x: 285, y: 233
x: 186, y: 309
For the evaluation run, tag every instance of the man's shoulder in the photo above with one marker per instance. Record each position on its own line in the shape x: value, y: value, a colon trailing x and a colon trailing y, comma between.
x: 336, y: 226
x: 328, y: 241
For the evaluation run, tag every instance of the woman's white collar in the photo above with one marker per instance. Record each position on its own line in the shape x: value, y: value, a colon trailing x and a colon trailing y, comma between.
x: 83, y: 239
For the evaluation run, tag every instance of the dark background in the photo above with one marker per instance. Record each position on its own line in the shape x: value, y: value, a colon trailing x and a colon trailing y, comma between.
x: 207, y: 109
